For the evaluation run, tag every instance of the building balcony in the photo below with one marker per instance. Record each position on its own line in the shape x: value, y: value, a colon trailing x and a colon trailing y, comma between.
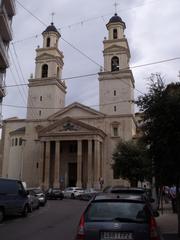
x: 5, y: 26
x: 4, y: 60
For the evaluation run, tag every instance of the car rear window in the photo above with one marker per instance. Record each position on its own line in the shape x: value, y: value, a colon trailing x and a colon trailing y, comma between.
x: 120, y: 211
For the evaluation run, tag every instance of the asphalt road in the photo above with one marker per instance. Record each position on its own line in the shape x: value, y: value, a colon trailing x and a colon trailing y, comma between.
x: 58, y: 220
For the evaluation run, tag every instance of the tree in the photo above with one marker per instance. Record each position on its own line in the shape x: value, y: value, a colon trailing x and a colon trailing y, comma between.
x: 161, y: 128
x: 130, y: 162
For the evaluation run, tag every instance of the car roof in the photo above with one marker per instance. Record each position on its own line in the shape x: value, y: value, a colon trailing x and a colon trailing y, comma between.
x: 125, y: 190
x: 118, y: 197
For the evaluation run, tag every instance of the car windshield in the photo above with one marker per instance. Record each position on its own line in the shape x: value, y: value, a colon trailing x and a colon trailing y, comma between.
x: 117, y: 211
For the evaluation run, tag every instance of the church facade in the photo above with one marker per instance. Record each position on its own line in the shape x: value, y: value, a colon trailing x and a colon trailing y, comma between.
x: 58, y: 145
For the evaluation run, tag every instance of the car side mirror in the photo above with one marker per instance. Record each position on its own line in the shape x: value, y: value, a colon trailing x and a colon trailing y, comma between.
x: 23, y: 192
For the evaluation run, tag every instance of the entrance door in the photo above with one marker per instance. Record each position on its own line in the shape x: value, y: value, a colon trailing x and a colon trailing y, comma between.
x: 72, y: 173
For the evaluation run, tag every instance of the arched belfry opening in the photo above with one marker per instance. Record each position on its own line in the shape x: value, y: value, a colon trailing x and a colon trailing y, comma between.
x: 48, y: 41
x: 114, y: 64
x: 45, y: 71
x: 115, y: 35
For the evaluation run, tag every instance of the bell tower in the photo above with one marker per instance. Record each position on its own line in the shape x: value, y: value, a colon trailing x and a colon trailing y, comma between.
x: 116, y: 82
x: 46, y: 90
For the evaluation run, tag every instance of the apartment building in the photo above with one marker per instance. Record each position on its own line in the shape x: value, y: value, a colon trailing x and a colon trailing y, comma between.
x: 7, y: 11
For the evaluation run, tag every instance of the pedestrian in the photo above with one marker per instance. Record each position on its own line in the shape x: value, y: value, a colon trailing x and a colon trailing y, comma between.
x: 172, y: 195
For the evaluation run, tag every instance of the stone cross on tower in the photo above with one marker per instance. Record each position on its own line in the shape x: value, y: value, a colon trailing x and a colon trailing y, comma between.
x: 115, y: 6
x: 52, y: 14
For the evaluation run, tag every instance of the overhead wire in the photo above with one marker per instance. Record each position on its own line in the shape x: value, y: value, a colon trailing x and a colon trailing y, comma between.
x: 81, y: 22
x: 94, y: 74
x: 85, y: 55
x: 23, y: 78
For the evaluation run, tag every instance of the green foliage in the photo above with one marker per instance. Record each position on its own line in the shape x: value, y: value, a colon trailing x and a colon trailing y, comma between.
x: 161, y: 128
x: 131, y: 162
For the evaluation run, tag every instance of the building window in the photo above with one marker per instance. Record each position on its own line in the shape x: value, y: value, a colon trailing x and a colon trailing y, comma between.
x: 48, y: 42
x: 115, y: 33
x: 115, y: 131
x: 114, y: 108
x: 44, y: 71
x: 16, y: 141
x: 115, y: 64
x: 57, y: 72
x: 41, y: 98
x: 12, y: 142
x: 39, y: 112
x: 114, y: 92
x: 37, y: 165
x: 20, y: 141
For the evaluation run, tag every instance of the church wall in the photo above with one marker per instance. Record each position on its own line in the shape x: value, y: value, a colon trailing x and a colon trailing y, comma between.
x: 50, y: 94
x: 123, y: 95
x: 31, y: 155
x: 9, y: 126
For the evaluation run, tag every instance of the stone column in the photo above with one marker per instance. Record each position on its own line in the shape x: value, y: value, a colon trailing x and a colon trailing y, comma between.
x: 89, y: 183
x: 41, y: 164
x: 97, y: 164
x: 79, y: 164
x: 57, y: 165
x: 47, y: 165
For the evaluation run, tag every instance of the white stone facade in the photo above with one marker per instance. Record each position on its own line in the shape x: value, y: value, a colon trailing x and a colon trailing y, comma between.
x: 72, y: 145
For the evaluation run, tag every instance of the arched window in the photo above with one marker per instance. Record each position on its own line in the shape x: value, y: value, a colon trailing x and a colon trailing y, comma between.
x: 44, y: 71
x: 115, y: 64
x: 16, y: 141
x: 48, y: 42
x: 114, y: 33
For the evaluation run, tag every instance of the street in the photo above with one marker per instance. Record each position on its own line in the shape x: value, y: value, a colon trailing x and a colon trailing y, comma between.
x: 57, y: 220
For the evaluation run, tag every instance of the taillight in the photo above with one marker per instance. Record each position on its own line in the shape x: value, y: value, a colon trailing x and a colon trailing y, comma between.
x: 154, y: 235
x: 80, y: 233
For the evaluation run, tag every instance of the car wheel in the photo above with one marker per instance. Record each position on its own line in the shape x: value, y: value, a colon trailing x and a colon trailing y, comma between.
x: 25, y: 211
x: 72, y: 196
x: 1, y: 215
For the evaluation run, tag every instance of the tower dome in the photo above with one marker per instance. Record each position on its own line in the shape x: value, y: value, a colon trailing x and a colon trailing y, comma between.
x: 116, y: 19
x: 51, y: 28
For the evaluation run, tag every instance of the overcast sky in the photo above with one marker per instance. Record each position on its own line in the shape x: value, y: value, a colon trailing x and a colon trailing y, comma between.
x: 152, y: 30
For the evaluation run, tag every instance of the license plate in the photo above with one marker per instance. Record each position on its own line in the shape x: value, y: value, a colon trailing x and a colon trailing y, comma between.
x: 116, y: 236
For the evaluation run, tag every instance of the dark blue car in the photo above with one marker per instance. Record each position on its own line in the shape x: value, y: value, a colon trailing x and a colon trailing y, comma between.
x: 13, y: 198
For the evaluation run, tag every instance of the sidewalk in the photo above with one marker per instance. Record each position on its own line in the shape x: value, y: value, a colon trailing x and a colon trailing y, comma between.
x: 168, y: 223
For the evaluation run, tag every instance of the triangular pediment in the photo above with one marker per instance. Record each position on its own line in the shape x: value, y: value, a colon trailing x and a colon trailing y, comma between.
x: 45, y: 56
x: 68, y: 126
x: 115, y: 48
x: 76, y: 110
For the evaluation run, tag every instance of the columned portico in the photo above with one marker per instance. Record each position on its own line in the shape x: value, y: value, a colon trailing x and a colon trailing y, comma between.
x: 57, y: 165
x: 90, y: 169
x: 47, y: 165
x: 79, y: 164
x: 97, y: 164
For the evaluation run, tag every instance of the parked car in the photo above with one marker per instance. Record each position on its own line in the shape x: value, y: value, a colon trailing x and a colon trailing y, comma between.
x: 146, y: 193
x: 72, y: 192
x: 40, y: 195
x: 88, y: 194
x: 112, y: 216
x: 13, y: 198
x: 33, y: 201
x: 54, y: 193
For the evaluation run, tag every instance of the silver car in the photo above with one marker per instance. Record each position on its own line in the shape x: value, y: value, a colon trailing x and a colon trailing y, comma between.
x: 114, y: 217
